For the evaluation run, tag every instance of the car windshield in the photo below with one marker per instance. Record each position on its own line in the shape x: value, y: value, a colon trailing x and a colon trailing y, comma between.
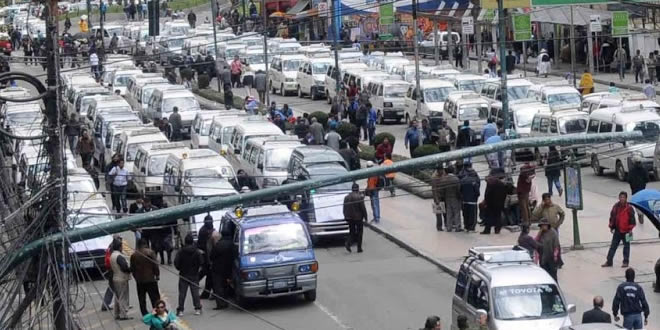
x: 285, y: 236
x: 471, y: 85
x: 517, y: 92
x: 157, y: 164
x: 649, y: 125
x: 256, y: 59
x: 23, y: 118
x: 183, y: 103
x: 206, y: 173
x: 291, y: 65
x: 395, y: 90
x: 278, y: 159
x: 564, y: 98
x: 437, y: 94
x: 573, y: 125
x: 179, y: 30
x: 80, y: 190
x: 320, y: 68
x: 528, y: 302
x: 524, y: 118
x: 231, y: 52
x: 473, y: 112
x: 175, y: 43
x: 121, y: 80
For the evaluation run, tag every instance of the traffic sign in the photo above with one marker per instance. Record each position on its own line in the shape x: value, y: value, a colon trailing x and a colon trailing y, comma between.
x: 594, y: 23
x: 467, y: 23
x: 322, y: 8
x: 492, y: 4
x: 522, y: 27
x: 619, y: 23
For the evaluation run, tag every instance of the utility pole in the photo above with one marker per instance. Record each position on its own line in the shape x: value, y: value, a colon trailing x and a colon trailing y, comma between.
x: 336, y: 6
x: 418, y: 93
x: 502, y: 49
x: 478, y: 28
x: 572, y: 43
x: 58, y: 289
x: 214, y: 13
x: 244, y: 18
x: 265, y: 15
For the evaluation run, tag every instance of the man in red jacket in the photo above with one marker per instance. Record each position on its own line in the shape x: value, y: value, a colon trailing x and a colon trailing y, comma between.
x: 622, y: 222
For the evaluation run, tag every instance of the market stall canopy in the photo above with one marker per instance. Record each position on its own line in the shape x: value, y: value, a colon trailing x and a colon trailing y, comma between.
x: 300, y: 6
x: 453, y: 8
x: 562, y: 15
x: 277, y: 14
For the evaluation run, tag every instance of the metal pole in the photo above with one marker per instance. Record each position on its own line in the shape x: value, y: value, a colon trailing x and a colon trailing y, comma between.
x: 336, y: 11
x: 436, y: 51
x: 479, y: 28
x: 265, y: 16
x: 450, y: 44
x: 524, y: 50
x: 590, y: 49
x: 244, y: 18
x: 163, y: 216
x: 572, y: 44
x: 214, y: 13
x: 418, y: 93
x: 621, y: 62
x: 505, y: 97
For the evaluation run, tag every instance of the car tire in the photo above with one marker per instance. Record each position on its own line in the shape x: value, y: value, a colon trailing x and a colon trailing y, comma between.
x: 620, y: 172
x: 312, y: 93
x: 595, y: 166
x: 282, y: 92
x: 407, y: 119
x: 272, y: 89
x: 310, y: 296
x: 327, y: 97
x: 300, y: 94
x: 380, y: 120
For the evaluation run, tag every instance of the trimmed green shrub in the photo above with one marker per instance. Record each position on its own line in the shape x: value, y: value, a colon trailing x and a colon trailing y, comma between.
x: 322, y: 117
x: 347, y: 129
x: 203, y: 81
x: 378, y: 139
x: 425, y: 150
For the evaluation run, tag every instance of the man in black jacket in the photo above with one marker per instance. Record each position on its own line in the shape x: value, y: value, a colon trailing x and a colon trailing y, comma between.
x: 596, y: 315
x: 354, y: 212
x: 470, y: 184
x: 222, y: 256
x: 203, y: 237
x: 189, y: 261
x: 632, y: 301
x: 638, y: 177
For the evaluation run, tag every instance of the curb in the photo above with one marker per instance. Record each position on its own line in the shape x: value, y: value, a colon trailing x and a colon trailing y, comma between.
x: 410, y: 248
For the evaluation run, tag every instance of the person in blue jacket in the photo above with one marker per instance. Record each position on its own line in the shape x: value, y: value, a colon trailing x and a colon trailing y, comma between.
x: 160, y: 318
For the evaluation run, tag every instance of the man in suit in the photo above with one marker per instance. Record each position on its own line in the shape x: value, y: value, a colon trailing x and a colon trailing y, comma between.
x: 596, y: 315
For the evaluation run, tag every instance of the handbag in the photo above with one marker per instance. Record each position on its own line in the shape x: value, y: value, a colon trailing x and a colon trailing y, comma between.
x: 510, y: 200
x: 439, y: 208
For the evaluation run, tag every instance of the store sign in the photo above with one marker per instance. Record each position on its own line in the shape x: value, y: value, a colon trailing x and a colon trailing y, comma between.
x: 467, y: 25
x: 619, y: 23
x: 323, y: 9
x: 492, y: 4
x: 386, y: 11
x: 594, y: 23
x: 522, y: 27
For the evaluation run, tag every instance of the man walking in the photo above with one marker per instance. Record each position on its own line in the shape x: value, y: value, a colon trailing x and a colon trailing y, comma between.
x: 85, y: 149
x: 72, y: 131
x: 553, y: 170
x: 119, y: 177
x: 355, y: 213
x: 260, y: 85
x: 317, y: 131
x: 373, y: 190
x: 146, y: 273
x: 622, y: 222
x: 596, y: 315
x: 549, y: 252
x: 494, y: 198
x: 411, y: 140
x: 236, y: 68
x: 203, y: 237
x: 192, y: 18
x: 523, y: 188
x: 620, y: 60
x: 177, y: 124
x: 638, y: 66
x: 189, y: 262
x: 555, y: 216
x: 470, y: 184
x: 222, y: 257
x: 638, y: 177
x: 631, y: 300
x: 121, y: 274
x: 448, y: 190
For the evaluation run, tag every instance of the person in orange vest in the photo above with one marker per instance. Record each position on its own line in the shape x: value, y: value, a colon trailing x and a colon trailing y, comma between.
x: 389, y: 177
x: 372, y: 191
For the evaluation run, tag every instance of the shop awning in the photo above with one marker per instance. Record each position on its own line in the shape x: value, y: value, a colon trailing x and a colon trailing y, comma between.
x: 562, y: 15
x: 300, y: 6
x: 314, y: 12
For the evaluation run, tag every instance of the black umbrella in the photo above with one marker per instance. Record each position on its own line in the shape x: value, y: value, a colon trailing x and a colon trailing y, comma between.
x: 81, y: 35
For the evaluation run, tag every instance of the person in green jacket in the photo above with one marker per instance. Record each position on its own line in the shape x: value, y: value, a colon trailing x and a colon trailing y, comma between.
x: 160, y: 318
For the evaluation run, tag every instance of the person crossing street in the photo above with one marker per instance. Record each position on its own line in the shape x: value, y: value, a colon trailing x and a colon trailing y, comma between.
x: 189, y: 262
x: 631, y: 301
x: 622, y: 222
x: 355, y: 214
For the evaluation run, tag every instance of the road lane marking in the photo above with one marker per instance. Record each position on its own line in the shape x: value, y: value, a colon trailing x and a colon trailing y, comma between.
x: 332, y: 316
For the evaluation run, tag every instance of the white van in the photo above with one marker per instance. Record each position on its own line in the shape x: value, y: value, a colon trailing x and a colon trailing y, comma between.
x: 129, y: 142
x: 90, y: 253
x: 229, y: 50
x: 283, y: 72
x: 200, y: 127
x: 466, y: 105
x: 245, y: 131
x: 333, y: 72
x: 434, y: 93
x: 112, y: 103
x: 559, y: 122
x: 311, y: 77
x: 222, y: 130
x: 618, y: 156
x: 388, y: 98
x: 113, y: 136
x: 516, y: 90
x: 469, y: 82
x: 100, y: 131
x: 145, y: 93
x: 163, y: 101
x: 202, y: 189
x: 196, y: 165
x: 134, y: 87
x: 120, y: 80
x: 556, y: 96
x: 149, y: 167
x: 253, y: 60
x: 265, y: 160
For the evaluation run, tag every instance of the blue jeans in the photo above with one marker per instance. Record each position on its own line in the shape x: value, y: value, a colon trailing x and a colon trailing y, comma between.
x: 616, y: 238
x: 553, y: 180
x: 375, y: 205
x: 633, y: 321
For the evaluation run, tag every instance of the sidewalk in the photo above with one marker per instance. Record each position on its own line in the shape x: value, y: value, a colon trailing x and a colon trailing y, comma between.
x: 409, y: 222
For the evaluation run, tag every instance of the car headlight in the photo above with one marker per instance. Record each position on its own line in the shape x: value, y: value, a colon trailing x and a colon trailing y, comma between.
x: 387, y: 104
x: 309, y: 268
x: 250, y: 275
x: 289, y: 80
x: 269, y: 182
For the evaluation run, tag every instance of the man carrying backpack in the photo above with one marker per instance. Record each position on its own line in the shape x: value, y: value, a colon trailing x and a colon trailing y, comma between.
x: 361, y: 119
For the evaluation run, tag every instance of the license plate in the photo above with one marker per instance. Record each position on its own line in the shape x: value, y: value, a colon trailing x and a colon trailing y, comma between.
x: 280, y: 284
x: 87, y: 264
